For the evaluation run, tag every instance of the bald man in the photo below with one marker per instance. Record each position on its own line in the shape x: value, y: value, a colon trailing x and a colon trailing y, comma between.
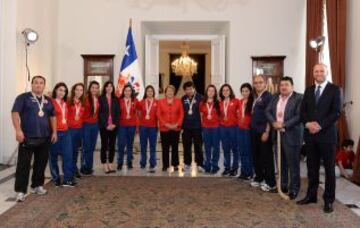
x: 320, y: 109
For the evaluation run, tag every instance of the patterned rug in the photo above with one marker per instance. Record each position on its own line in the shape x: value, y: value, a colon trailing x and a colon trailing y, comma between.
x: 169, y: 202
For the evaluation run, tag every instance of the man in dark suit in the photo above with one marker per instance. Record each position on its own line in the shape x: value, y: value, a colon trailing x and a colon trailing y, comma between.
x: 283, y: 113
x: 320, y: 110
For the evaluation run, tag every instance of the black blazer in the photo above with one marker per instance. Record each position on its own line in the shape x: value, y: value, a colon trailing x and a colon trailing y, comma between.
x: 326, y: 112
x: 104, y: 111
x: 292, y: 120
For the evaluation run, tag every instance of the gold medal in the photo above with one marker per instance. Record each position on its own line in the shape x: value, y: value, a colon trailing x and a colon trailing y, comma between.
x: 41, y: 113
x: 64, y: 121
x: 209, y: 117
x: 190, y: 112
x: 128, y: 116
x: 147, y: 117
x: 77, y: 118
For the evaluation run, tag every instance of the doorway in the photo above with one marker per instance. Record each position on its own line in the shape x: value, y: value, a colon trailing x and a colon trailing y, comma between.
x: 216, y: 56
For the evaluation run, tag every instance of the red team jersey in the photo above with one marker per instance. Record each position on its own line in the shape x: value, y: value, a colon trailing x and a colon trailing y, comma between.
x: 88, y: 116
x: 232, y: 110
x: 61, y: 118
x: 141, y: 107
x: 209, y: 119
x: 133, y: 117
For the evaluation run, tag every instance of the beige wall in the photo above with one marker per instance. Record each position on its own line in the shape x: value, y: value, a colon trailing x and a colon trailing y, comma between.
x: 257, y: 27
x: 352, y: 68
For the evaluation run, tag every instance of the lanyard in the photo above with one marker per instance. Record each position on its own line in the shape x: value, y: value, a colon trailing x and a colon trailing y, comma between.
x: 63, y: 110
x: 40, y: 104
x: 127, y: 107
x: 148, y: 106
x: 226, y: 106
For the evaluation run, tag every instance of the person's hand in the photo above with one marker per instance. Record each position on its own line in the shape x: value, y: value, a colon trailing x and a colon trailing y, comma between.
x: 170, y: 126
x: 20, y: 136
x: 54, y: 137
x: 265, y: 136
x: 111, y: 127
x: 277, y: 125
x: 313, y: 127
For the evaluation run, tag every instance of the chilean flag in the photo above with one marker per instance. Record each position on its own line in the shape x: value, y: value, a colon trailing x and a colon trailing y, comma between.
x: 130, y: 72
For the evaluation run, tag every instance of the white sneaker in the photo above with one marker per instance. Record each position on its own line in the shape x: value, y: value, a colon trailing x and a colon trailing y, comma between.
x: 200, y: 169
x: 152, y: 170
x: 255, y: 184
x: 267, y: 188
x: 38, y: 190
x: 20, y: 197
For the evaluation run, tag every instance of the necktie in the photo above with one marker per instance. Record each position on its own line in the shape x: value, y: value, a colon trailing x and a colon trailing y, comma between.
x: 317, y: 94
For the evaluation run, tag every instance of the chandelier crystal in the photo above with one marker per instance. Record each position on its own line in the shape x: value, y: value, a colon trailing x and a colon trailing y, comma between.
x: 184, y: 65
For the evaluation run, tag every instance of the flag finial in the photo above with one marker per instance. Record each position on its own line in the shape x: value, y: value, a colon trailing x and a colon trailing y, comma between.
x: 130, y: 22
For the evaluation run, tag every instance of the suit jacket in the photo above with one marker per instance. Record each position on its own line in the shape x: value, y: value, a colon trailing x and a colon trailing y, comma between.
x: 293, y: 134
x: 104, y: 111
x: 326, y: 112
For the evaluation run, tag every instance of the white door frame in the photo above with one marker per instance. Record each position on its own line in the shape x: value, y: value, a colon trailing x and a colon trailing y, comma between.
x: 217, y: 71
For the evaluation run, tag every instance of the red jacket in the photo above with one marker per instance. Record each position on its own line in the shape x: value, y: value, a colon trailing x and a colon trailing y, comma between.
x: 243, y: 121
x: 170, y: 113
x: 207, y: 122
x: 231, y: 120
x: 60, y: 125
x: 72, y: 122
x: 90, y: 117
x: 133, y: 117
x: 141, y: 107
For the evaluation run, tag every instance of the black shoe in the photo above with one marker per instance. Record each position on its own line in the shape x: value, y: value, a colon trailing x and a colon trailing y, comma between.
x: 292, y: 195
x: 243, y: 177
x: 328, y: 208
x: 129, y: 165
x: 77, y: 175
x: 69, y: 184
x: 176, y: 169
x: 306, y: 200
x: 233, y: 173
x: 57, y: 183
x: 284, y: 190
x: 119, y: 167
x: 142, y: 166
x: 164, y: 169
x: 87, y: 173
x: 226, y: 172
x: 214, y: 171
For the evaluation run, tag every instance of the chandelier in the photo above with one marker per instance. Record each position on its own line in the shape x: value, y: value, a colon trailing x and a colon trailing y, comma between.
x: 184, y: 65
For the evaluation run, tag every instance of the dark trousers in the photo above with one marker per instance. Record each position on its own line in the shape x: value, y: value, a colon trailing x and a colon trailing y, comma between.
x: 263, y: 159
x: 170, y: 139
x: 125, y: 137
x: 63, y: 148
x: 76, y: 141
x: 190, y: 137
x: 41, y: 155
x: 315, y: 152
x: 230, y: 147
x: 211, y: 138
x: 290, y: 166
x: 148, y: 135
x: 244, y: 148
x: 90, y: 135
x: 108, y: 139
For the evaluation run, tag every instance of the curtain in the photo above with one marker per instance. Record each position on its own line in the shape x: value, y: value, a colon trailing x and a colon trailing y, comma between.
x: 314, y: 28
x: 336, y: 19
x: 356, y: 168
